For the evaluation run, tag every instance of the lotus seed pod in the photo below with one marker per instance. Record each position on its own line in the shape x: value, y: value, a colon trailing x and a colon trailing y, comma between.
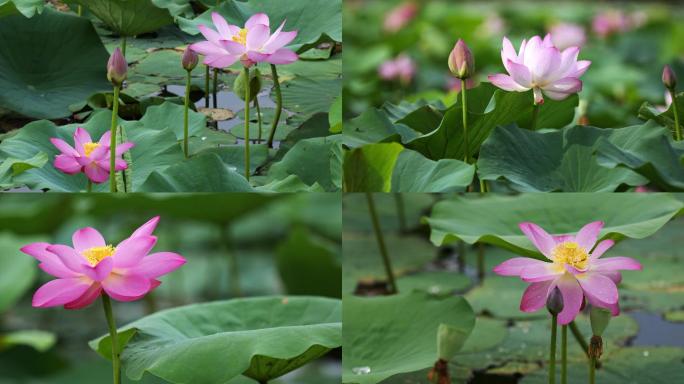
x: 190, y: 59
x: 461, y: 61
x: 554, y: 303
x: 600, y: 318
x: 117, y: 68
x: 669, y: 78
x: 449, y: 341
x: 255, y: 85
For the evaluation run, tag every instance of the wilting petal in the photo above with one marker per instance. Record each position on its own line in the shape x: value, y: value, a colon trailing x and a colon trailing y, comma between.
x: 130, y: 251
x: 616, y: 264
x: 126, y: 286
x: 506, y: 83
x: 282, y: 56
x: 86, y: 238
x: 221, y: 25
x: 572, y: 298
x: 257, y: 19
x: 514, y: 266
x: 67, y: 164
x: 59, y: 292
x: 207, y: 48
x: 599, y: 286
x: 96, y: 174
x: 541, y: 272
x: 158, y: 264
x: 49, y: 262
x: 147, y: 228
x: 63, y: 147
x: 587, y: 236
x: 521, y: 74
x: 87, y: 298
x: 535, y: 296
x: 539, y: 237
x: 257, y: 36
x: 209, y: 34
x: 601, y: 248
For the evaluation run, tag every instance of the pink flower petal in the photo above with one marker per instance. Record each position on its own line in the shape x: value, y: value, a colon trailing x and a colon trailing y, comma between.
x: 257, y: 36
x: 506, y: 83
x: 146, y: 229
x: 209, y: 34
x: 81, y: 137
x: 541, y: 272
x: 257, y: 19
x: 599, y: 286
x: 106, y: 139
x: 601, y: 248
x: 131, y: 251
x: 587, y: 236
x: 572, y: 298
x: 59, y: 292
x: 49, y: 262
x: 520, y: 74
x: 86, y: 238
x: 508, y: 53
x: 566, y: 86
x: 222, y: 61
x: 126, y: 286
x: 233, y: 47
x: 96, y: 174
x: 63, y: 147
x: 282, y: 56
x: 256, y: 57
x: 221, y: 25
x: 68, y: 256
x: 548, y: 59
x: 207, y: 48
x: 279, y: 39
x: 153, y: 284
x: 535, y: 296
x: 616, y: 264
x: 100, y: 271
x: 100, y: 153
x: 67, y: 164
x: 514, y: 266
x: 581, y: 67
x: 87, y: 298
x: 613, y: 275
x: 158, y: 264
x: 539, y: 237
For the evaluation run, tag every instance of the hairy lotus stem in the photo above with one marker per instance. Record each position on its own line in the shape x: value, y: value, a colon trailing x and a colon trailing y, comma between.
x: 279, y: 105
x: 207, y: 78
x: 535, y: 116
x: 247, y: 97
x: 258, y: 111
x: 401, y: 212
x: 466, y: 140
x: 381, y: 244
x: 564, y: 354
x: 185, y: 115
x: 112, y: 146
x: 552, y: 350
x: 116, y: 359
x: 216, y: 75
x: 678, y: 128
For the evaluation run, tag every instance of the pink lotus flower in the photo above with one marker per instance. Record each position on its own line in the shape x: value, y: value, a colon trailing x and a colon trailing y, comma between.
x: 402, y: 68
x: 400, y: 16
x: 252, y: 44
x: 566, y: 35
x: 611, y: 22
x: 540, y: 66
x: 125, y: 272
x: 576, y: 268
x: 89, y: 157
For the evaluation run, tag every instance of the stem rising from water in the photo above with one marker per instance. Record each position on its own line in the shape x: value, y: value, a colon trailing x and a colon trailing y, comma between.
x: 116, y: 359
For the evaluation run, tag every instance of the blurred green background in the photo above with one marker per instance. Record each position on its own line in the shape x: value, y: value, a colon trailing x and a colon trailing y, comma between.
x: 236, y: 245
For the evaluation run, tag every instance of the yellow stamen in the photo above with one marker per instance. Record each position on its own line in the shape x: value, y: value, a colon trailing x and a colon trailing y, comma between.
x: 88, y: 148
x: 241, y: 37
x: 96, y: 254
x: 571, y: 253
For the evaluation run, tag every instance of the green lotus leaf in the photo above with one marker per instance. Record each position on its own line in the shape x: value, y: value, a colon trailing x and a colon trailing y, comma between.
x: 28, y: 8
x: 386, y: 336
x: 134, y: 17
x: 370, y: 168
x: 19, y: 271
x: 663, y: 117
x: 41, y: 341
x: 434, y: 282
x: 43, y: 80
x: 262, y: 338
x: 170, y: 115
x: 625, y: 215
x: 316, y: 20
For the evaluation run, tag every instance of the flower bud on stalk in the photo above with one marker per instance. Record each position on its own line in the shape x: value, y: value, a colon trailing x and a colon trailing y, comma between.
x: 190, y: 59
x: 117, y: 68
x: 461, y: 61
x: 669, y: 78
x: 255, y: 85
x: 554, y: 303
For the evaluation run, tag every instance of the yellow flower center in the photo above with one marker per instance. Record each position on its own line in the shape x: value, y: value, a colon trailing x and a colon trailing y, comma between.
x: 96, y: 254
x: 241, y: 37
x: 571, y: 253
x: 89, y: 148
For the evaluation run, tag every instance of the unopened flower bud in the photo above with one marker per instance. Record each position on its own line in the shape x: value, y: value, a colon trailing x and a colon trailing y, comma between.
x: 190, y: 59
x: 669, y: 78
x: 600, y: 318
x: 461, y: 61
x: 255, y: 85
x: 117, y: 68
x: 554, y: 302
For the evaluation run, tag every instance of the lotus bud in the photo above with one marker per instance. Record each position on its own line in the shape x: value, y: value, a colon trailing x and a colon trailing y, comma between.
x: 117, y: 68
x: 669, y: 78
x: 255, y: 85
x: 450, y: 340
x: 554, y: 303
x: 599, y: 320
x: 461, y: 61
x: 190, y: 59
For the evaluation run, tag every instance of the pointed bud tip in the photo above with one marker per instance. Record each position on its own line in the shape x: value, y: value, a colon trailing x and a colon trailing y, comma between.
x: 669, y: 78
x: 554, y: 302
x: 117, y: 68
x: 190, y: 59
x: 461, y: 60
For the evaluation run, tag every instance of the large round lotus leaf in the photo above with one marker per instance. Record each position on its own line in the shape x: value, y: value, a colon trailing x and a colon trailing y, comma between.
x: 211, y: 343
x: 638, y: 365
x: 634, y: 215
x: 27, y: 8
x: 131, y: 17
x: 314, y: 19
x: 156, y: 149
x: 385, y: 336
x: 356, y: 218
x: 18, y: 271
x: 49, y: 62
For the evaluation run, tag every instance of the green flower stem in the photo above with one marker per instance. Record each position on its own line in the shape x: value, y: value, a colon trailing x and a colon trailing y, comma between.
x: 564, y: 354
x: 483, y: 186
x: 279, y: 104
x: 552, y: 350
x: 579, y: 337
x: 381, y: 244
x: 678, y: 129
x: 89, y: 188
x: 466, y: 139
x: 116, y: 359
x: 112, y: 145
x: 80, y: 10
x: 207, y: 78
x: 185, y: 115
x: 592, y: 371
x: 216, y: 75
x: 401, y: 212
x: 247, y: 97
x: 258, y: 110
x: 535, y: 116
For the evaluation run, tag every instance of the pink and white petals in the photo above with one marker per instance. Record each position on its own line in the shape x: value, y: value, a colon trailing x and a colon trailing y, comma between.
x: 158, y: 264
x: 60, y: 292
x: 599, y: 286
x: 535, y: 296
x: 515, y: 266
x: 616, y: 264
x: 132, y: 250
x: 539, y: 237
x: 588, y: 235
x: 572, y: 298
x: 601, y: 248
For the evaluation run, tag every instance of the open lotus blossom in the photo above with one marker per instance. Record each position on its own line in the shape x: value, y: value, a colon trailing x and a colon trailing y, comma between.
x: 540, y: 66
x: 125, y: 272
x: 575, y: 266
x: 400, y: 16
x: 89, y: 157
x: 252, y: 44
x: 566, y: 35
x: 402, y: 68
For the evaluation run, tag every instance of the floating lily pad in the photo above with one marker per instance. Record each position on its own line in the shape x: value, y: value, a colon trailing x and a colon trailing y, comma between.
x: 131, y: 18
x: 264, y: 338
x: 43, y: 80
x: 316, y: 160
x: 625, y: 215
x: 385, y: 336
